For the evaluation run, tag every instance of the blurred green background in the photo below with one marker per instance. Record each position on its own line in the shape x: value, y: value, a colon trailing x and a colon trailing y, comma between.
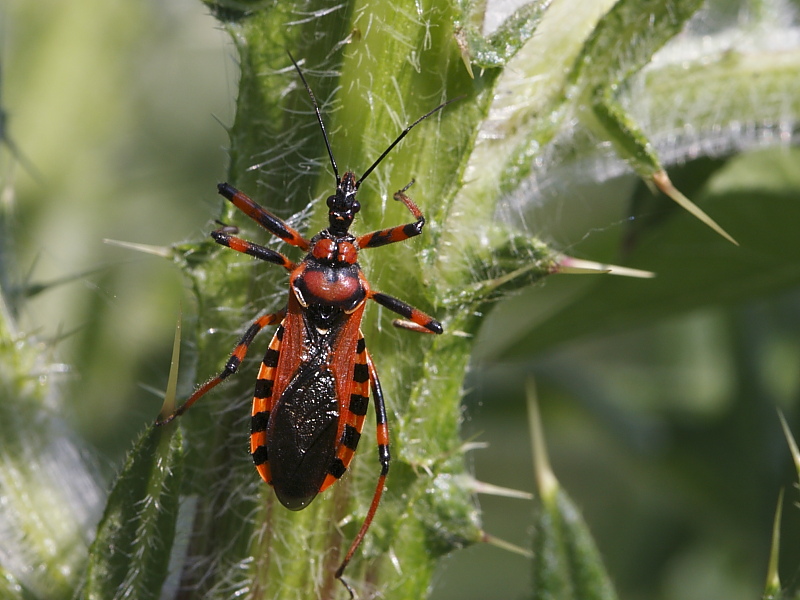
x: 662, y: 426
x: 121, y: 108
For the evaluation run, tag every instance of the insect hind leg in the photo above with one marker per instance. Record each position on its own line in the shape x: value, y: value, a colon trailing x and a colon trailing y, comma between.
x: 382, y: 435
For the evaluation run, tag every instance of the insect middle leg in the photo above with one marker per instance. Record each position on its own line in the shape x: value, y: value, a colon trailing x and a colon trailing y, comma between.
x: 382, y: 435
x: 224, y: 238
x: 415, y: 319
x: 236, y: 358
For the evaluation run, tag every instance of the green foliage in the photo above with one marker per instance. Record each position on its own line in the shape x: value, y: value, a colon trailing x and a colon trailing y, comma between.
x: 130, y: 554
x: 48, y: 493
x: 559, y: 105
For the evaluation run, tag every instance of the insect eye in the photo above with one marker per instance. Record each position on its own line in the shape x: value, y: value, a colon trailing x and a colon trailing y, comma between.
x: 331, y: 200
x: 356, y: 206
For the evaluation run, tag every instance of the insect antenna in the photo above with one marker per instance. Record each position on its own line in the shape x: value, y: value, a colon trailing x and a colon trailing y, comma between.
x: 401, y: 136
x: 319, y: 117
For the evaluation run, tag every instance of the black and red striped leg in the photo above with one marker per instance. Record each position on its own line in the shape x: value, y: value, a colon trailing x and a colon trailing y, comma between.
x: 275, y: 225
x: 236, y: 358
x: 415, y: 319
x: 382, y: 435
x: 222, y: 237
x: 400, y: 232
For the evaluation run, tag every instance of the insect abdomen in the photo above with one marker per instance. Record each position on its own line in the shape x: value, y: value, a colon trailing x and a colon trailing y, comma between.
x: 301, y: 437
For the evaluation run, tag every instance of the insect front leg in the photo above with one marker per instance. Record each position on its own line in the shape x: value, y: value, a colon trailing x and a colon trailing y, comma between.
x: 400, y: 232
x: 382, y: 435
x: 415, y: 319
x: 276, y: 226
x: 236, y: 358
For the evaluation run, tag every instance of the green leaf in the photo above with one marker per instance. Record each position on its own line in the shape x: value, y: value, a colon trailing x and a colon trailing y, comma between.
x: 566, y: 562
x: 131, y: 552
x: 758, y: 192
x: 772, y: 588
x: 50, y: 496
x: 12, y: 589
x: 496, y: 49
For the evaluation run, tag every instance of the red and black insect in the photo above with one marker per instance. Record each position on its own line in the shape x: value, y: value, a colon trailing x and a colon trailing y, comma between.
x: 313, y: 386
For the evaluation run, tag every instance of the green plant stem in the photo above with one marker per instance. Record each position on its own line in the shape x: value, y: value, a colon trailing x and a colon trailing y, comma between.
x: 385, y: 82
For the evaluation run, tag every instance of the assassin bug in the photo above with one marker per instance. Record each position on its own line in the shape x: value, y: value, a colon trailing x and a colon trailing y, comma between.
x: 312, y: 390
